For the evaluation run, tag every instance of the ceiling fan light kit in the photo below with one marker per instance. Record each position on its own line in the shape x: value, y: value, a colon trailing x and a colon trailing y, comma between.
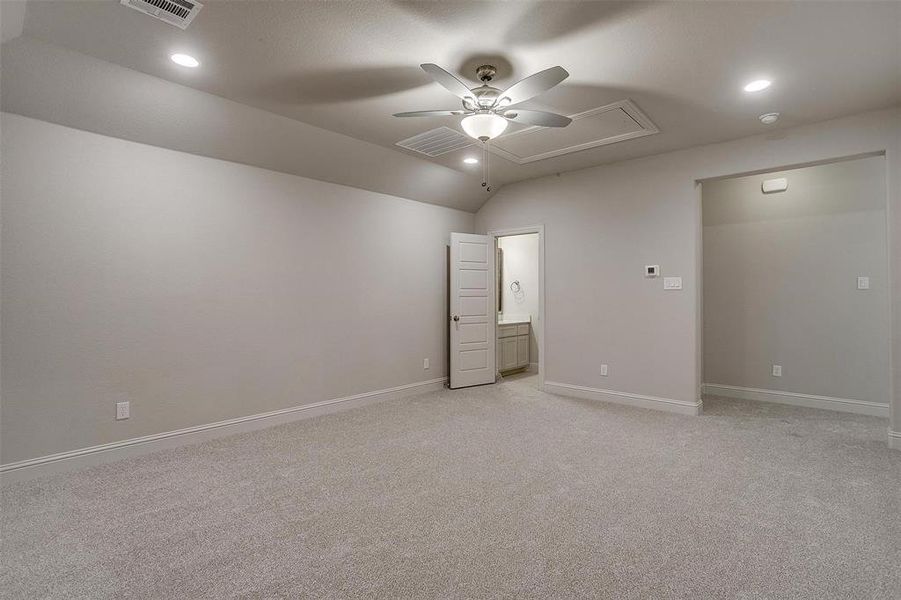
x: 487, y: 110
x: 484, y: 125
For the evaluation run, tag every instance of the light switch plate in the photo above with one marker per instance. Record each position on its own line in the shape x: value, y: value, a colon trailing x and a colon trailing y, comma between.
x: 604, y: 370
x: 672, y: 283
x: 777, y: 370
x: 863, y: 283
x: 651, y: 271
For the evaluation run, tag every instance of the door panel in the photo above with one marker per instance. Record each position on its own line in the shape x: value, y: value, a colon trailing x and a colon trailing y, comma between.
x: 473, y: 279
x: 471, y: 333
x: 474, y: 307
x: 473, y: 360
x: 473, y: 252
x: 472, y: 319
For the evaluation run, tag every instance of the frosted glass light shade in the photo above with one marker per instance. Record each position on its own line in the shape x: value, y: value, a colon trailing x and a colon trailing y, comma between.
x: 484, y: 126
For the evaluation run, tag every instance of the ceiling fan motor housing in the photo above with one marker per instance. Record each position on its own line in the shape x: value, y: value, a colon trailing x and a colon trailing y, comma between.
x: 486, y: 95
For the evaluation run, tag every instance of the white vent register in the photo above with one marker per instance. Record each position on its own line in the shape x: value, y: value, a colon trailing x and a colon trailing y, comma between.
x: 175, y: 12
x: 436, y: 142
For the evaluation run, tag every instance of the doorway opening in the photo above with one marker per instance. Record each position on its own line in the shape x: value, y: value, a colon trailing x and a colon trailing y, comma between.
x: 477, y: 312
x: 795, y: 300
x: 519, y: 301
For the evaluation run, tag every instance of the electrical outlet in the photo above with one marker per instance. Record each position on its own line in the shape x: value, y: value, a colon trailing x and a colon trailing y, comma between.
x: 123, y: 411
x: 604, y: 370
x: 863, y: 283
x: 425, y: 363
x: 777, y: 370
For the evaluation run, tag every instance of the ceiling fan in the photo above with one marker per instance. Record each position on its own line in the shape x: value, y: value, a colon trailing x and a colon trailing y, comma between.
x: 486, y: 109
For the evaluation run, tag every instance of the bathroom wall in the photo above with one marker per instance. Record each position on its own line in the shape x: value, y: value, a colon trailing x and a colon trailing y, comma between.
x: 520, y: 256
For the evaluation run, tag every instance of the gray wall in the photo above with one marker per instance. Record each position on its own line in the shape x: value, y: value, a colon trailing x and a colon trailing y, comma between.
x: 780, y: 282
x: 106, y: 98
x: 198, y: 289
x: 603, y: 224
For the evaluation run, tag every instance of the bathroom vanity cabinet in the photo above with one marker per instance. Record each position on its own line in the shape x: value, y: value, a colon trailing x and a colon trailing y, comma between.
x: 512, y: 345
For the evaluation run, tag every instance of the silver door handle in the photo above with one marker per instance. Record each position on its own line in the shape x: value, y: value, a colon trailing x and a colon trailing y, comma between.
x: 456, y: 317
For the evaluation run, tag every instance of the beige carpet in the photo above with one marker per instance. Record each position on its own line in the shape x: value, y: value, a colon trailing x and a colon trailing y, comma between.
x: 498, y: 491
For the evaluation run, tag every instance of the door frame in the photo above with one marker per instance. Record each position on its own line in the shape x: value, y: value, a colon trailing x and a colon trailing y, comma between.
x: 539, y: 229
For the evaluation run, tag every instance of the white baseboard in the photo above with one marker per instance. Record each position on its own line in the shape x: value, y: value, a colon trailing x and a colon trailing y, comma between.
x: 104, y: 453
x: 894, y: 439
x: 681, y: 407
x: 796, y: 399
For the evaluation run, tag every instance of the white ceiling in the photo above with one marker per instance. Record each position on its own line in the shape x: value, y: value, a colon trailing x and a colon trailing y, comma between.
x: 347, y: 66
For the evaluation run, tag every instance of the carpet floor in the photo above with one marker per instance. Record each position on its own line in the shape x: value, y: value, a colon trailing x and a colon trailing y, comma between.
x: 498, y: 491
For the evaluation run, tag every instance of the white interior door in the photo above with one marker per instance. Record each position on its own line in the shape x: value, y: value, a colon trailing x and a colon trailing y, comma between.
x: 472, y: 318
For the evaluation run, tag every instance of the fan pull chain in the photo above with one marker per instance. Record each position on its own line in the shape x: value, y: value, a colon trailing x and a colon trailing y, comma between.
x: 485, y: 154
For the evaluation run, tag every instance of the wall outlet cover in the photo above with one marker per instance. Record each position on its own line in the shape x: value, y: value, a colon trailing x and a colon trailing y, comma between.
x: 425, y: 363
x: 863, y: 283
x: 122, y: 411
x: 604, y: 370
x: 777, y: 370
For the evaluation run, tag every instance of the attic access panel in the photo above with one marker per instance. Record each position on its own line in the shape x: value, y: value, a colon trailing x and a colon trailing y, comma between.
x: 600, y: 126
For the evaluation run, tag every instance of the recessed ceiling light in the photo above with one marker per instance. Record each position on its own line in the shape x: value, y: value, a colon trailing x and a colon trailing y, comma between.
x: 769, y: 118
x: 758, y: 85
x: 185, y: 60
x: 471, y: 161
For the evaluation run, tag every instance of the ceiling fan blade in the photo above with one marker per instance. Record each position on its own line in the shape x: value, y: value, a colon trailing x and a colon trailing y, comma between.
x: 448, y: 81
x: 431, y: 113
x: 531, y: 86
x: 537, y: 117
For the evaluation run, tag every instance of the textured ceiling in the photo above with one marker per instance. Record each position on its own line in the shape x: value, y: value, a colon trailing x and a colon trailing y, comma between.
x: 347, y: 66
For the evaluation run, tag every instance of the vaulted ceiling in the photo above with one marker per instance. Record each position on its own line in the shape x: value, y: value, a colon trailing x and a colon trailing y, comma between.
x: 347, y: 66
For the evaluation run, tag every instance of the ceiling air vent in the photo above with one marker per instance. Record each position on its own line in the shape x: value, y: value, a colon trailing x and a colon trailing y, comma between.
x: 436, y: 142
x: 175, y: 12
